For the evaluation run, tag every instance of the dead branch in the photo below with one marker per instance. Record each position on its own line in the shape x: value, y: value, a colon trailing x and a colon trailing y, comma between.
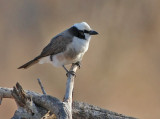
x: 32, y: 105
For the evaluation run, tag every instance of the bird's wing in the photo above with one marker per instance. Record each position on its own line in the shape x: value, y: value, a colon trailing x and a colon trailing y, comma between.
x: 57, y: 45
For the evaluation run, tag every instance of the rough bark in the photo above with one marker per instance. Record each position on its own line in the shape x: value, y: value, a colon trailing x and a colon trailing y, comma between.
x: 41, y: 104
x: 32, y: 105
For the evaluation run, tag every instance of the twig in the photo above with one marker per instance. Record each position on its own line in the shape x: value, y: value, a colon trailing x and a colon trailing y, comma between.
x: 42, y: 88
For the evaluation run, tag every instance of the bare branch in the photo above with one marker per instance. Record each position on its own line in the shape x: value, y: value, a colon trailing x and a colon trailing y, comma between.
x: 69, y: 90
x: 83, y: 110
x: 42, y: 88
x: 26, y: 107
x: 32, y: 105
x: 80, y: 110
x: 5, y: 93
x: 70, y: 85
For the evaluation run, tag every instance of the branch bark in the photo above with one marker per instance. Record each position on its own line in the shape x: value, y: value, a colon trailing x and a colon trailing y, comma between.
x: 32, y: 105
x: 45, y: 103
x: 69, y: 90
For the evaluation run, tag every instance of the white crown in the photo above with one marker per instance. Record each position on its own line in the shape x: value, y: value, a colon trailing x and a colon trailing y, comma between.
x: 82, y: 26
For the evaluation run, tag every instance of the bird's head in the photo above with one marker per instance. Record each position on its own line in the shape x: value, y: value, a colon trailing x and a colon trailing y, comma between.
x: 83, y: 30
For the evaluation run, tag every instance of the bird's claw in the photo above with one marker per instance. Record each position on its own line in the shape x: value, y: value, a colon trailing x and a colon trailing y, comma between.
x: 71, y: 72
x: 78, y: 64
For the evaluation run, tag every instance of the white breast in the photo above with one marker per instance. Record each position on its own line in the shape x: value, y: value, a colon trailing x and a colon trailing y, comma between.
x: 80, y: 46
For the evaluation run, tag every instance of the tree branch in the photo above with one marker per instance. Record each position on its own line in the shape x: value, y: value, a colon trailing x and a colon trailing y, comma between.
x: 32, y: 105
x: 69, y: 90
x: 45, y: 103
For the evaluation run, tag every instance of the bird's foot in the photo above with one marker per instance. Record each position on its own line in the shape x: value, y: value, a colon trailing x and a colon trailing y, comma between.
x: 78, y: 64
x: 71, y: 72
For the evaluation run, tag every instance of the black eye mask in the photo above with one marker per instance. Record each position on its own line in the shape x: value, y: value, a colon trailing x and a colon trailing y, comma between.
x: 78, y: 33
x: 81, y: 34
x: 85, y: 31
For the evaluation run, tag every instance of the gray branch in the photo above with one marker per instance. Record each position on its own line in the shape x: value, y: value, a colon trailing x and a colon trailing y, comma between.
x: 32, y: 105
x: 67, y: 101
x: 45, y: 103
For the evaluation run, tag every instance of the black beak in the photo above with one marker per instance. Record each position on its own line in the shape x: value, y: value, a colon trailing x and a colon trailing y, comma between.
x: 92, y: 32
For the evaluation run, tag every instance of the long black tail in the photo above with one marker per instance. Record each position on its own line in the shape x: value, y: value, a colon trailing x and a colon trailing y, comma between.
x: 30, y: 63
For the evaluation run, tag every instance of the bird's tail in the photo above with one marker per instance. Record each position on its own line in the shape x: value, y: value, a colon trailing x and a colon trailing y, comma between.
x: 30, y: 63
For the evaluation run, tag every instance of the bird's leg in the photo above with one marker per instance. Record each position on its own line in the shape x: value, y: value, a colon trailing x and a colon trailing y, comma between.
x: 69, y: 72
x: 78, y: 64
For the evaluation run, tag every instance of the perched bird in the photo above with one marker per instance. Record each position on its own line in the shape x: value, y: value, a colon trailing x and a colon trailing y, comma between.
x: 65, y: 48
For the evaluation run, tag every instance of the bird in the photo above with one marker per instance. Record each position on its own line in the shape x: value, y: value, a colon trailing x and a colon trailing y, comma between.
x: 68, y: 47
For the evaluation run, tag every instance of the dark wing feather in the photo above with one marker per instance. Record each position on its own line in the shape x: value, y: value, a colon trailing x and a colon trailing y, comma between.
x: 57, y: 45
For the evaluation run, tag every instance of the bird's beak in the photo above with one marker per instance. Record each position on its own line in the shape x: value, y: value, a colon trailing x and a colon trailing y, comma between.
x: 92, y: 32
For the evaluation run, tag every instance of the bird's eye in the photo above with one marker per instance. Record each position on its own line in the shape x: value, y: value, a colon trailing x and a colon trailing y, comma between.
x: 81, y: 32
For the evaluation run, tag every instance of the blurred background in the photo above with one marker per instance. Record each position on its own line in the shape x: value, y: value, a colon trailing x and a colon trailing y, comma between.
x: 121, y: 70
